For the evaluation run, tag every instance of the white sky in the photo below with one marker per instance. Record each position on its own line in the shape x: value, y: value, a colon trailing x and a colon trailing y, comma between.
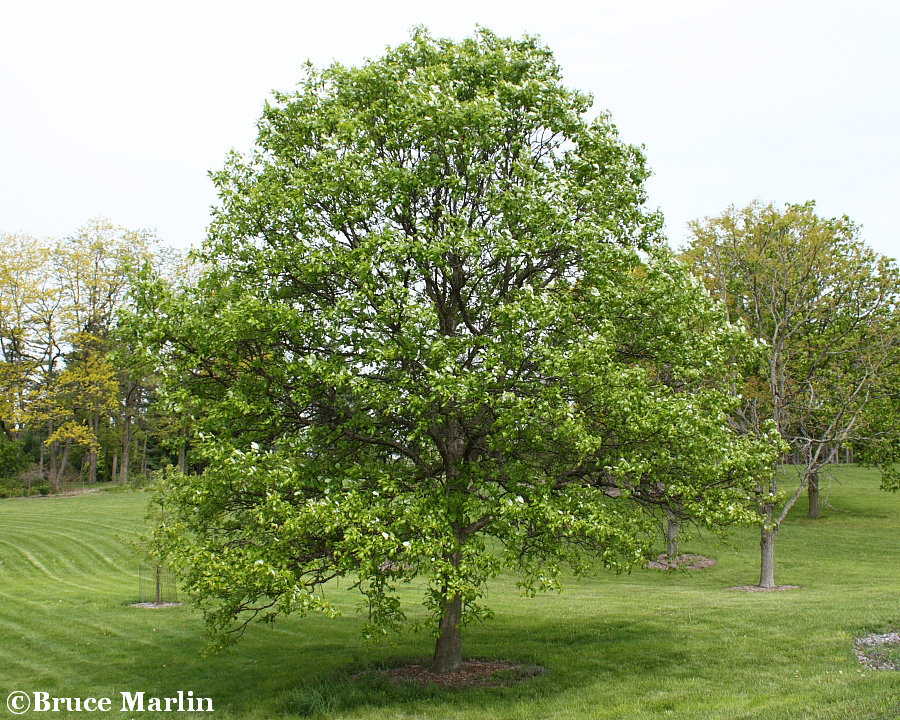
x: 120, y: 108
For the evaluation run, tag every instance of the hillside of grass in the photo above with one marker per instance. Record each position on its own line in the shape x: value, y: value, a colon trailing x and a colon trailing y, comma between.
x: 639, y: 646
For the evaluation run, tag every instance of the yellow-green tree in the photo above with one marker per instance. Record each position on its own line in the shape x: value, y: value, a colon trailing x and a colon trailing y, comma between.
x: 25, y: 346
x: 825, y: 308
x: 94, y: 266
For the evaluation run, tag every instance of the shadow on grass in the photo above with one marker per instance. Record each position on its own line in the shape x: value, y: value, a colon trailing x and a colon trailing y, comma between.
x: 608, y: 651
x: 343, y: 693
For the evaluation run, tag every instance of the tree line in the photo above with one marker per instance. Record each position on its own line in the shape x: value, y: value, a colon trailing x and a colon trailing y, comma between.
x: 75, y: 404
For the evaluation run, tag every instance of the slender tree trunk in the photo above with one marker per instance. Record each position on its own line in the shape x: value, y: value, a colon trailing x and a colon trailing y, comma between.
x: 182, y: 459
x: 115, y: 467
x: 144, y: 457
x: 815, y: 509
x: 54, y: 480
x: 63, y: 463
x: 767, y: 564
x: 126, y: 449
x: 159, y: 584
x: 671, y: 535
x: 92, y: 457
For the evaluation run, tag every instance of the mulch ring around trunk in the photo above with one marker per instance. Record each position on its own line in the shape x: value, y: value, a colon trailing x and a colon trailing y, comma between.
x: 681, y: 562
x: 757, y: 588
x: 879, y: 652
x: 472, y: 673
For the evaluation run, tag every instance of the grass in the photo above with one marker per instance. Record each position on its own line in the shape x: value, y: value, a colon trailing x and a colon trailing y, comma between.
x: 640, y: 646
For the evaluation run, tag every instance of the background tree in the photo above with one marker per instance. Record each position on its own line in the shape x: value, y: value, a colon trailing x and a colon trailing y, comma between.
x: 825, y: 308
x: 23, y: 343
x: 436, y: 321
x: 95, y: 265
x: 881, y: 447
x: 59, y: 308
x: 86, y: 394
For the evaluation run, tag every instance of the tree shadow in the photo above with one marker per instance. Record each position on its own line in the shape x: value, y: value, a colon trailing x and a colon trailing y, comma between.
x: 609, y: 650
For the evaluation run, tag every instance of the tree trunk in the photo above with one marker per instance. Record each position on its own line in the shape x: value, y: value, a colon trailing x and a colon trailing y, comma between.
x: 815, y: 509
x: 54, y: 480
x: 92, y: 457
x: 159, y: 584
x: 144, y: 457
x: 63, y: 463
x: 126, y: 450
x: 767, y: 564
x: 182, y: 460
x: 671, y: 535
x: 115, y: 467
x: 448, y: 650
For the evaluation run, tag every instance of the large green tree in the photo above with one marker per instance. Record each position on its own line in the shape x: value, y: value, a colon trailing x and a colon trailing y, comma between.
x: 825, y: 308
x: 437, y: 334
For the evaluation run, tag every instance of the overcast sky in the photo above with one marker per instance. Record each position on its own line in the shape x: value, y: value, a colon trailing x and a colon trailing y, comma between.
x: 121, y: 108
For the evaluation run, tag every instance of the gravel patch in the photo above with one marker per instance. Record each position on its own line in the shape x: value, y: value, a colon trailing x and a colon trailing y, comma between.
x: 681, y: 562
x: 871, y: 650
x: 757, y: 588
x: 156, y: 606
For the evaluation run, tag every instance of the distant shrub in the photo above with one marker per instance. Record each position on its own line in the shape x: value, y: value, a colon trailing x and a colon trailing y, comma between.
x: 41, y: 487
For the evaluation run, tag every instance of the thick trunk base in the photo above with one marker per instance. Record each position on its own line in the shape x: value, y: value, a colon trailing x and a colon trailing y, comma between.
x: 448, y: 650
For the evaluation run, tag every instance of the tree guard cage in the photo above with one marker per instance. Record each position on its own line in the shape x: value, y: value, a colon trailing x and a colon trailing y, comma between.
x: 157, y: 584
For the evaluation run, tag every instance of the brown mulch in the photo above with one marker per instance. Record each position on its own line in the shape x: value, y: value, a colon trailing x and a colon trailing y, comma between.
x: 681, y: 562
x: 757, y: 588
x: 472, y: 673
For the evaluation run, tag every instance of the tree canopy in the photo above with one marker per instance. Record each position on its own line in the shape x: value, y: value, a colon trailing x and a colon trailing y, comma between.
x: 436, y: 333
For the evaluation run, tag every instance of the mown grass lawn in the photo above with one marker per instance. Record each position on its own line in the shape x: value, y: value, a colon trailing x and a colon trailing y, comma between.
x: 639, y: 646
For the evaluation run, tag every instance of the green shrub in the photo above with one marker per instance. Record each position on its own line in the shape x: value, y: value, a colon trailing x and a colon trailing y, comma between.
x: 11, y: 487
x: 41, y: 487
x: 13, y: 459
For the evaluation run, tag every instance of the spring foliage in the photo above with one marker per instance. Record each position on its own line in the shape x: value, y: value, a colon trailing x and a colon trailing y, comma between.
x: 437, y: 334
